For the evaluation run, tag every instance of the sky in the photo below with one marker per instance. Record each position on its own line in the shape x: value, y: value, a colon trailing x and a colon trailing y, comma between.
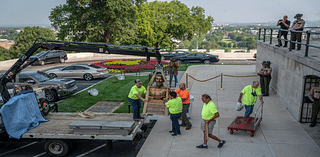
x: 24, y: 12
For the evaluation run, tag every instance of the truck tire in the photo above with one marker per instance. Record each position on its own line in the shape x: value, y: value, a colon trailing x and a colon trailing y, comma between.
x: 62, y: 60
x: 206, y: 61
x: 44, y: 106
x: 57, y: 148
x: 51, y: 95
x: 41, y: 63
x: 53, y: 75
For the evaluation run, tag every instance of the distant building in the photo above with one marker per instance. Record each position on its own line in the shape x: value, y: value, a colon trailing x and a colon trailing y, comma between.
x: 5, y: 43
x: 218, y: 24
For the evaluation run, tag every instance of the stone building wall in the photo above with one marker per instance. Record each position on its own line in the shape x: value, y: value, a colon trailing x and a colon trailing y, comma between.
x: 289, y: 69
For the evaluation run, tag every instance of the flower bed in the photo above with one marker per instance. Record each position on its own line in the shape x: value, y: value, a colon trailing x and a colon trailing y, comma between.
x: 128, y: 65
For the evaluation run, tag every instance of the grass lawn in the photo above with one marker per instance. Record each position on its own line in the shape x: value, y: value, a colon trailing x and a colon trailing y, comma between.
x: 111, y: 89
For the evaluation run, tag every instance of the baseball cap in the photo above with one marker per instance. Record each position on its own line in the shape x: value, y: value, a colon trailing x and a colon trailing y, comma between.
x: 137, y: 81
x: 268, y: 62
x: 264, y: 62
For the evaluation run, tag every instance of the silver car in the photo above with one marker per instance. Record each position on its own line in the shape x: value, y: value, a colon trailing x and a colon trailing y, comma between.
x: 81, y: 71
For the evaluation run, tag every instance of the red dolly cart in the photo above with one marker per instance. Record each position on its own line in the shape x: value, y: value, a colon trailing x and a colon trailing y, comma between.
x: 247, y: 123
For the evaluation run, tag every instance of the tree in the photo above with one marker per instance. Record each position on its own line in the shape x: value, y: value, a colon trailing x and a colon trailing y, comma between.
x: 159, y: 22
x: 27, y: 37
x: 107, y: 21
x: 4, y: 54
x: 223, y: 44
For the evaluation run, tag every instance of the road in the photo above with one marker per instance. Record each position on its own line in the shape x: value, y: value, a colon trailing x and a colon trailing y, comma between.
x: 57, y: 65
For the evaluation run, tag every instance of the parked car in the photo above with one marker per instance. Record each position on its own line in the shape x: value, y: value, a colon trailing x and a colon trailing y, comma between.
x: 169, y: 55
x: 242, y: 51
x: 56, y: 88
x: 52, y: 56
x: 197, y: 58
x: 81, y: 71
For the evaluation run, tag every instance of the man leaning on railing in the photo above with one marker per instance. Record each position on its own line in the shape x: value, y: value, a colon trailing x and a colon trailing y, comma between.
x: 284, y: 24
x: 297, y: 25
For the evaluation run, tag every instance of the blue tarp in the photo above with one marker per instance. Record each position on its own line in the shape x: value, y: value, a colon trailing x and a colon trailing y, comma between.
x: 21, y: 113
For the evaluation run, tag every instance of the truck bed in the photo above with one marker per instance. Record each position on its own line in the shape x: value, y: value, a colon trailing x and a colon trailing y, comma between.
x: 58, y: 127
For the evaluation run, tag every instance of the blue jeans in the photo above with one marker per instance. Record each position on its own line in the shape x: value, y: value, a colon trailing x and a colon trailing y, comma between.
x: 249, y: 109
x: 175, y: 123
x: 175, y: 77
x: 136, y: 106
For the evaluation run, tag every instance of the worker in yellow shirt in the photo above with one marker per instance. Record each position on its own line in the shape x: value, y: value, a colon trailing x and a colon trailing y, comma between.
x: 209, y: 115
x: 135, y: 98
x: 175, y: 108
x: 250, y: 95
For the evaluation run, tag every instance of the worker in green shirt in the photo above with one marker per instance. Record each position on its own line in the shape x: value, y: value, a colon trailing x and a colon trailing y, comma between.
x: 135, y: 98
x: 250, y: 94
x: 209, y: 115
x: 175, y: 108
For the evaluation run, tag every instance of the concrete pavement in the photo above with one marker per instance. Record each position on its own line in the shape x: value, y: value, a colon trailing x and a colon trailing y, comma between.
x: 279, y: 134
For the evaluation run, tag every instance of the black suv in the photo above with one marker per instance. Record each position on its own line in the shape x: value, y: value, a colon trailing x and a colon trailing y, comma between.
x: 51, y: 56
x: 55, y: 87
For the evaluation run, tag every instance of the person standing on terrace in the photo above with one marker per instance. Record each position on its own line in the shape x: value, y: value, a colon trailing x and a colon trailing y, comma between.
x: 284, y: 24
x: 297, y: 25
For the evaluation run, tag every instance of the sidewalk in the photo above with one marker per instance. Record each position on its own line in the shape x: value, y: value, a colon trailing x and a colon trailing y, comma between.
x: 279, y: 134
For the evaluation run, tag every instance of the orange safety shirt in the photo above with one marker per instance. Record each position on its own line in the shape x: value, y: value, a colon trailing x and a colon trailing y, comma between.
x: 184, y: 94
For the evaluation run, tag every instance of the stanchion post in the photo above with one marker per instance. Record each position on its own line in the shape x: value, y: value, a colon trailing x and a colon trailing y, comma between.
x: 221, y: 81
x: 187, y: 80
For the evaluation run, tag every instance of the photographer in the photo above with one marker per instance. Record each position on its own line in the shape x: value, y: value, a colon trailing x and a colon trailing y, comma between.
x: 284, y: 24
x: 173, y: 70
x: 250, y: 94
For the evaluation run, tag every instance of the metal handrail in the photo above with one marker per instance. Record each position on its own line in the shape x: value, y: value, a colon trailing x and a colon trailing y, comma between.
x: 306, y: 44
x: 259, y: 116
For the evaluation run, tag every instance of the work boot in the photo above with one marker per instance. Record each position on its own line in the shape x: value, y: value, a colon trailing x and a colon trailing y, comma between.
x: 189, y: 127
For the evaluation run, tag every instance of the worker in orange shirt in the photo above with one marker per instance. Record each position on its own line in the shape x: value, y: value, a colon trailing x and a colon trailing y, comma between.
x: 185, y: 97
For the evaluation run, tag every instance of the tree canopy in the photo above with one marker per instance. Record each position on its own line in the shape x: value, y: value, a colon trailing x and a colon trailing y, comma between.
x: 223, y: 38
x: 105, y: 21
x: 4, y: 54
x: 27, y: 37
x: 160, y: 22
